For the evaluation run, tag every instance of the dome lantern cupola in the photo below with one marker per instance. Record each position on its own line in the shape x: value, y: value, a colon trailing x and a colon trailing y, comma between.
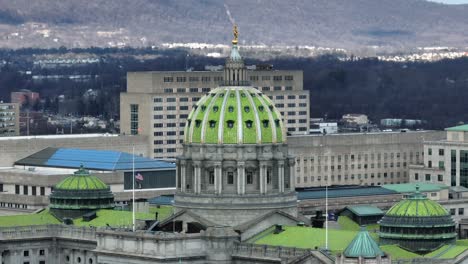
x: 234, y: 71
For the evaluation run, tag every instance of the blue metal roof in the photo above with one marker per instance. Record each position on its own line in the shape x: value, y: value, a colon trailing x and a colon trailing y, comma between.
x: 106, y: 160
x: 336, y: 192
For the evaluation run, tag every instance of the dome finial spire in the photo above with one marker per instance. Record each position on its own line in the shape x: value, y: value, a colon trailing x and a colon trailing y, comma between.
x: 235, y: 32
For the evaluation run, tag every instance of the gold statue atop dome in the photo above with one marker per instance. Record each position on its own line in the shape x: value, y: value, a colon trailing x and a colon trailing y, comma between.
x: 236, y: 34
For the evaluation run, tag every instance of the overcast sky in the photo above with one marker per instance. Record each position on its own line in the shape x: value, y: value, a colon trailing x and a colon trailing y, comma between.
x: 451, y: 1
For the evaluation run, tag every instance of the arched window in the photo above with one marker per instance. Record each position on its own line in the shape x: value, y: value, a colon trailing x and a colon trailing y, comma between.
x: 248, y: 123
x: 230, y: 123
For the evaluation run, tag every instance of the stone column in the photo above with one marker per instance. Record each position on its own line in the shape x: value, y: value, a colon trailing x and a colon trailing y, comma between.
x: 281, y: 176
x: 182, y: 166
x: 292, y: 179
x: 197, y: 178
x: 218, y: 178
x: 262, y: 178
x: 240, y: 177
x: 183, y: 178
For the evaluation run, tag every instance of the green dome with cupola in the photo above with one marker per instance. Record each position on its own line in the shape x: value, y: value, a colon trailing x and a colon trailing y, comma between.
x: 234, y: 115
x: 417, y: 224
x: 79, y: 194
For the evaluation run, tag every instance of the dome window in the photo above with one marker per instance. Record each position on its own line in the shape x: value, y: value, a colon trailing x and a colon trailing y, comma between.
x: 189, y: 122
x: 277, y: 122
x: 232, y: 95
x: 252, y: 94
x: 212, y: 123
x: 221, y: 95
x: 248, y: 123
x: 247, y: 109
x: 271, y: 107
x: 261, y: 108
x: 203, y: 107
x: 197, y: 123
x: 212, y: 94
x: 195, y: 106
x: 265, y: 123
x: 215, y: 108
x: 243, y: 94
x: 231, y: 109
x: 230, y: 123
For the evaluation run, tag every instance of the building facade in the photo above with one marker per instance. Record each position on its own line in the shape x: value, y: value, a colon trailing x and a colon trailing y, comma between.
x: 157, y: 104
x: 445, y: 160
x: 25, y: 97
x: 9, y: 119
x: 357, y: 159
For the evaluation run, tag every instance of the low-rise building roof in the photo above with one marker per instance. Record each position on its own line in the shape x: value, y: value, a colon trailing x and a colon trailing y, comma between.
x: 411, y: 187
x: 462, y: 128
x: 336, y: 192
x: 102, y: 160
x: 365, y: 210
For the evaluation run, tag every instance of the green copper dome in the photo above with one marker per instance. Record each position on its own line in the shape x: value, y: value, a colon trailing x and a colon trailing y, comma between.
x: 234, y: 115
x: 417, y: 205
x: 81, y: 180
x: 363, y: 246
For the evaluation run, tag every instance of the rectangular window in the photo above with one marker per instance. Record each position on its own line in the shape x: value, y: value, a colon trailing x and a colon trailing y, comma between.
x: 206, y: 90
x: 291, y: 97
x: 25, y: 190
x: 249, y: 178
x: 193, y: 79
x: 230, y: 177
x: 41, y: 252
x: 211, y: 178
x: 157, y: 100
x: 181, y: 79
x: 26, y: 253
x: 168, y: 79
x: 453, y: 167
x: 265, y: 78
x: 288, y: 78
x: 266, y: 88
x: 33, y: 190
x: 277, y: 78
x: 168, y: 90
x: 157, y: 108
x: 461, y: 211
x: 281, y: 97
x: 42, y: 191
x: 181, y: 90
x: 441, y: 152
x: 277, y: 88
x: 194, y: 90
x: 428, y: 177
x: 134, y: 119
x: 429, y: 151
x: 441, y: 165
x: 440, y: 177
x: 171, y: 108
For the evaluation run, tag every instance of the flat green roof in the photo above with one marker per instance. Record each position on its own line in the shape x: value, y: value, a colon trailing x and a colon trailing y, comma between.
x: 365, y: 210
x: 411, y: 187
x: 458, y: 128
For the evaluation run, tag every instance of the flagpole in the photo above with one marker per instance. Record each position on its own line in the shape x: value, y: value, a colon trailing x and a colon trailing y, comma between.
x: 133, y: 187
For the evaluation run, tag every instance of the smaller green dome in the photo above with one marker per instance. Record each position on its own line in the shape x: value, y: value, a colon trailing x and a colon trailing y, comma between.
x: 81, y: 180
x: 363, y: 246
x: 417, y: 205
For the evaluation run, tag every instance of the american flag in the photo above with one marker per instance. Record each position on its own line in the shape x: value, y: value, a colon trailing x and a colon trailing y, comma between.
x: 139, y: 177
